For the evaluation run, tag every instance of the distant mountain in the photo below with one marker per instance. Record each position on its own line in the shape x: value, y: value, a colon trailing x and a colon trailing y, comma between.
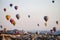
x: 57, y: 33
x: 22, y: 31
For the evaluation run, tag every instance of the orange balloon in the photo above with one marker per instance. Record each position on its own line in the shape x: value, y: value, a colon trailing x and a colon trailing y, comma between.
x: 8, y: 17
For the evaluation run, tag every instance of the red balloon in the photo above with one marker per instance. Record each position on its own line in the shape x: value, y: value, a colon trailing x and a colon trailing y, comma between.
x: 12, y: 20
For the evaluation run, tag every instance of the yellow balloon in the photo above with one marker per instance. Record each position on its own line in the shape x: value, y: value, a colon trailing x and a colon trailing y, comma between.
x: 8, y: 17
x: 14, y: 23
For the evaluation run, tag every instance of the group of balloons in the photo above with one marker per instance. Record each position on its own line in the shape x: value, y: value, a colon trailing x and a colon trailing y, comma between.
x: 53, y: 30
x: 18, y: 16
x: 8, y: 17
x: 15, y: 7
x: 46, y: 19
x: 12, y: 21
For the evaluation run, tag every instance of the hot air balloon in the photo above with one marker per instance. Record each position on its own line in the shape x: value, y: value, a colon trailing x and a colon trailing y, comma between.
x: 46, y: 19
x: 11, y: 5
x: 38, y: 25
x: 56, y: 22
x: 8, y: 17
x: 0, y: 26
x: 17, y: 16
x: 54, y: 29
x: 53, y: 1
x: 12, y: 20
x: 4, y: 9
x: 51, y: 31
x: 16, y: 7
x: 28, y: 16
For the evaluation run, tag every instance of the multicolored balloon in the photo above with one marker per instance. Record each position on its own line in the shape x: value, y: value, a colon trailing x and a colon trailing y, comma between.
x: 17, y: 16
x: 12, y: 21
x: 16, y: 7
x: 8, y: 17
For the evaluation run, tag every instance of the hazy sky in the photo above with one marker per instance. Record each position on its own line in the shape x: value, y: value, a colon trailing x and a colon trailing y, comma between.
x: 37, y: 9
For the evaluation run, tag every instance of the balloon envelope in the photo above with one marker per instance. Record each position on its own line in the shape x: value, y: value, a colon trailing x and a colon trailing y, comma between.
x: 4, y: 9
x: 54, y: 29
x: 51, y: 31
x: 8, y: 17
x: 11, y: 5
x: 12, y: 20
x: 17, y: 16
x: 38, y: 25
x: 0, y: 26
x: 28, y: 16
x: 46, y: 18
x: 56, y: 22
x: 53, y: 1
x: 16, y: 7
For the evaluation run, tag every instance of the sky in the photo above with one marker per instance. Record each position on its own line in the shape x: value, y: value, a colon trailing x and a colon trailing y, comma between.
x: 37, y: 9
